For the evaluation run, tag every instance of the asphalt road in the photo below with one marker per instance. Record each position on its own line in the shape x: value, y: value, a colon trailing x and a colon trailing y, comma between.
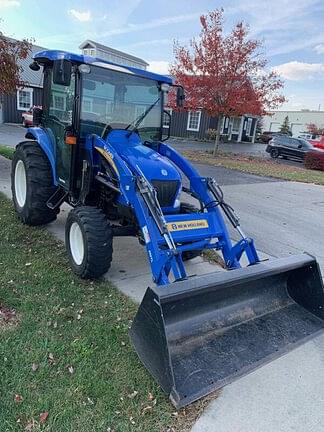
x: 282, y: 217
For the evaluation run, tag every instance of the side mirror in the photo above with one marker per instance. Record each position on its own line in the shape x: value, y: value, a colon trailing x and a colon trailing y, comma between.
x: 62, y: 72
x: 180, y: 96
x: 37, y: 116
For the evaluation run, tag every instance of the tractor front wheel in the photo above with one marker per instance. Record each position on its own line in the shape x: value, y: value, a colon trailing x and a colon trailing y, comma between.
x: 89, y: 242
x: 32, y: 184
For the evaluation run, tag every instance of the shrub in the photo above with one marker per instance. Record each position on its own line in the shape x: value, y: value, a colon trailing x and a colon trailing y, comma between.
x: 314, y: 160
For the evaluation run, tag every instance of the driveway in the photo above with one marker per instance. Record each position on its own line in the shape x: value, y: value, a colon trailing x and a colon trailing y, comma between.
x: 11, y: 134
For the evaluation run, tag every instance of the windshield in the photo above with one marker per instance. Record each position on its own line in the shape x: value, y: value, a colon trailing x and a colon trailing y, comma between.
x: 115, y: 100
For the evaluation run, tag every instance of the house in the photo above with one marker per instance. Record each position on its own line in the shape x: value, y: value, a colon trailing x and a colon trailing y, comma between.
x: 95, y: 49
x: 195, y: 125
x: 13, y: 105
x: 298, y: 120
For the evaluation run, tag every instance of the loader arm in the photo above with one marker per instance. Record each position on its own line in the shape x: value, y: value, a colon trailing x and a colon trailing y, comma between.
x: 211, y: 196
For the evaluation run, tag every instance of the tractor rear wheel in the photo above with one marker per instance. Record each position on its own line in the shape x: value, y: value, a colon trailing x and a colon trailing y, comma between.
x: 32, y: 184
x: 89, y: 242
x: 186, y: 208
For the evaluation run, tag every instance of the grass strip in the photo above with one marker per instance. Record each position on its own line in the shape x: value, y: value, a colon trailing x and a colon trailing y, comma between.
x: 64, y: 346
x: 258, y: 166
x: 6, y: 151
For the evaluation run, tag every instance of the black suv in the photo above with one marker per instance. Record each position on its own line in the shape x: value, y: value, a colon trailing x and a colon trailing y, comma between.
x: 287, y: 147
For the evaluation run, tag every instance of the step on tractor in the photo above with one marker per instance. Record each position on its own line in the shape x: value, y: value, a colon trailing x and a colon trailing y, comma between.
x: 97, y: 144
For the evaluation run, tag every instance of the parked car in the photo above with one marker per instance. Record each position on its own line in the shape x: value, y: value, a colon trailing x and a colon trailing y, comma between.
x: 27, y: 116
x: 317, y: 143
x: 266, y: 136
x: 289, y: 148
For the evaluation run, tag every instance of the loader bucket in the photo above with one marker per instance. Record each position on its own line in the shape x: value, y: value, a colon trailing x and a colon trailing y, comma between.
x: 197, y: 335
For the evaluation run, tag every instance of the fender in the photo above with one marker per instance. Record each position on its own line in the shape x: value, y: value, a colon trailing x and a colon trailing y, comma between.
x: 42, y: 136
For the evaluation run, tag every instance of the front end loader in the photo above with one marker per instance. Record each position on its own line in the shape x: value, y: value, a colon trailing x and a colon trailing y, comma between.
x: 97, y: 145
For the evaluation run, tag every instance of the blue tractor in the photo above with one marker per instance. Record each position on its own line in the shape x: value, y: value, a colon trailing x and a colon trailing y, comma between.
x: 97, y: 145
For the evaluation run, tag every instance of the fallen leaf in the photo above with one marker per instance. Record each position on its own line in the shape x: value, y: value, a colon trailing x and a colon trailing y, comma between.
x: 35, y: 366
x: 55, y: 324
x: 146, y: 409
x: 43, y: 417
x: 28, y: 264
x: 18, y: 398
x: 132, y: 395
x: 71, y: 370
x: 150, y: 396
x: 30, y: 425
x: 78, y: 317
x: 131, y: 419
x: 50, y: 358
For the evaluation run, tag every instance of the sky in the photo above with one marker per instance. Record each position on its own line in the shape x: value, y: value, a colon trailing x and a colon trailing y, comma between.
x: 292, y: 32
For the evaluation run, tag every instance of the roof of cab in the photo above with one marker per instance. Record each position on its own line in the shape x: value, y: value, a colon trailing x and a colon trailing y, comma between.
x: 50, y: 55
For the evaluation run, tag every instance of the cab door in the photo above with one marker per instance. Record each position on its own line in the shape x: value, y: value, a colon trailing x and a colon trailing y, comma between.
x: 58, y: 120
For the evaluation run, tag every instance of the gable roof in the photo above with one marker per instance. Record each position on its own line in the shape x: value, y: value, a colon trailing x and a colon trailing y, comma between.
x: 110, y: 50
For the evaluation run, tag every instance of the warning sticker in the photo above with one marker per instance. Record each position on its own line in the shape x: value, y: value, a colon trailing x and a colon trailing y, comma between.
x: 187, y: 225
x: 146, y: 234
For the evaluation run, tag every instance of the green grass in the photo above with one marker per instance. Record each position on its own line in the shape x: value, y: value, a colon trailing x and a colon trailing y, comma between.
x: 64, y: 322
x: 258, y: 166
x: 6, y: 151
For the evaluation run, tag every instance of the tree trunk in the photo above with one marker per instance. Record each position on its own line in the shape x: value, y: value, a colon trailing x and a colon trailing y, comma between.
x: 218, y: 130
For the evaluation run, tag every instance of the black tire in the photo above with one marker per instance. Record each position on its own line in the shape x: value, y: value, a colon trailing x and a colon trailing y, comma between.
x: 97, y: 238
x: 187, y: 208
x: 274, y: 153
x: 39, y: 184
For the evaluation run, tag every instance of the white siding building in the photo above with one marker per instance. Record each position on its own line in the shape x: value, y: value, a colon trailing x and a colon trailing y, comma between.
x: 95, y: 49
x: 298, y: 120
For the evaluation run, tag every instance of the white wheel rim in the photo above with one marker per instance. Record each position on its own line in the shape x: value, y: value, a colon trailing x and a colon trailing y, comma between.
x: 20, y: 183
x: 76, y: 243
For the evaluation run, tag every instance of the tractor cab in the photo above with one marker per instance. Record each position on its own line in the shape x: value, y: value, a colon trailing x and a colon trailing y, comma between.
x: 86, y: 97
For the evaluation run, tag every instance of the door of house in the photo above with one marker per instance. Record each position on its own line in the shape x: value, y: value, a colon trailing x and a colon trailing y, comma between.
x: 1, y: 116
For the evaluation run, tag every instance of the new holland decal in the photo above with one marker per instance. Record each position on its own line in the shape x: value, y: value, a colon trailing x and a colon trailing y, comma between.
x: 187, y: 225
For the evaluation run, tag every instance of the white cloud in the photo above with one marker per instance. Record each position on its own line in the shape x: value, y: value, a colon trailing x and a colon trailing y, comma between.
x: 161, y: 67
x: 297, y: 71
x: 319, y: 49
x: 9, y: 3
x: 79, y: 15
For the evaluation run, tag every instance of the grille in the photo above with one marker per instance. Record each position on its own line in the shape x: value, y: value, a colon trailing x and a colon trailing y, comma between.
x: 166, y: 191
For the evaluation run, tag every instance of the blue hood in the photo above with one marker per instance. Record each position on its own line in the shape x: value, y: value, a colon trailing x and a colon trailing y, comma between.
x: 152, y: 164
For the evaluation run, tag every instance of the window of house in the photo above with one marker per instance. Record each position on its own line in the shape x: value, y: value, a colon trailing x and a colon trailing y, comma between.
x: 87, y: 104
x: 89, y: 51
x: 166, y: 118
x: 58, y: 102
x: 236, y: 124
x: 193, y: 120
x: 248, y: 126
x: 24, y: 99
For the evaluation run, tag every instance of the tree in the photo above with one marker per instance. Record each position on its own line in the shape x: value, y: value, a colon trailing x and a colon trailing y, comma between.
x: 11, y: 51
x: 285, y: 127
x: 224, y: 75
